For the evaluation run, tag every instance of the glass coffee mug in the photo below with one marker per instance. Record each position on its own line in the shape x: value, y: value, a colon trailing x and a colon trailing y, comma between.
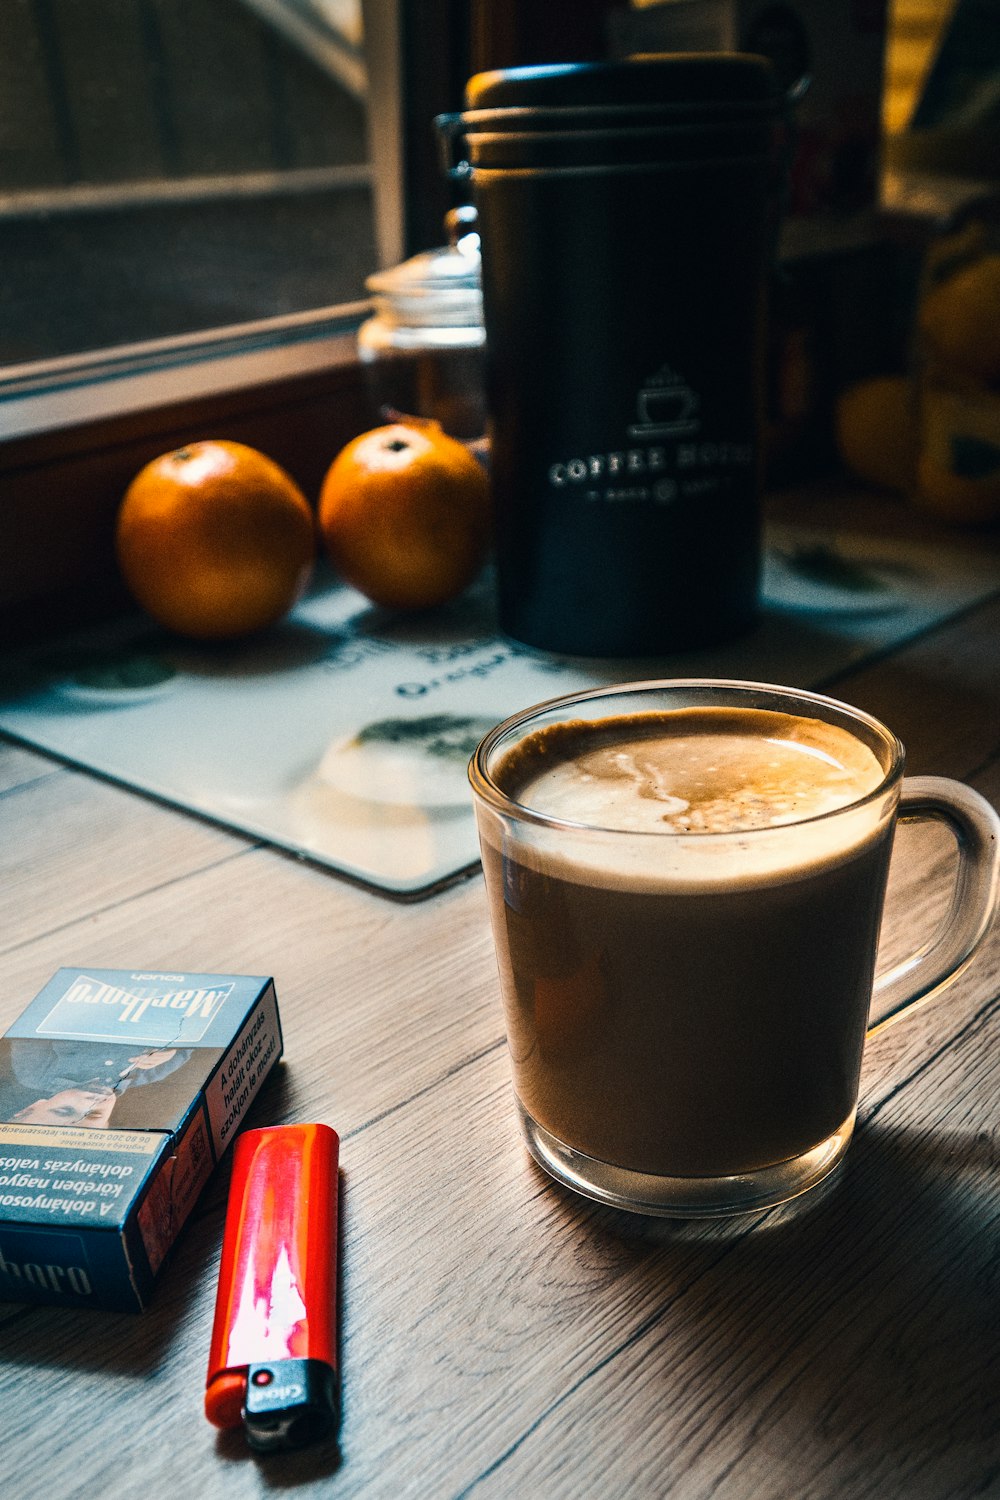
x: 686, y: 882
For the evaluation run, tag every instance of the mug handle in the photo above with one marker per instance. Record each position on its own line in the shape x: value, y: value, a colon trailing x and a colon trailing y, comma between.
x: 932, y: 967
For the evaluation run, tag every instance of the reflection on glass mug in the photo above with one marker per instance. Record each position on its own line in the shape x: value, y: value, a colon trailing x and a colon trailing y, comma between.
x: 686, y: 882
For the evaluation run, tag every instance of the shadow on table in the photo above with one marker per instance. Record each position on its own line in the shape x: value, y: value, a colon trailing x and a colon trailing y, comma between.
x: 872, y: 1307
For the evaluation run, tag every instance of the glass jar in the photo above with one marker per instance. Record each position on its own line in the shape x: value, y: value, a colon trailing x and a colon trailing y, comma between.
x: 424, y: 343
x: 957, y: 471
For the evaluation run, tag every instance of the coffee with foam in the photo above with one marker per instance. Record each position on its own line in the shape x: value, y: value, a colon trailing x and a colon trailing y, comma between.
x: 688, y: 945
x: 693, y: 772
x: 703, y: 770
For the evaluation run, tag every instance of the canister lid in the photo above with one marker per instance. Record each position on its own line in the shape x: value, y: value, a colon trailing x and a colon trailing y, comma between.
x: 666, y: 81
x: 664, y: 110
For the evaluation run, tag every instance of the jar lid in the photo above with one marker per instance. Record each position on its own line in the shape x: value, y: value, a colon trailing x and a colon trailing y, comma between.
x: 437, y: 288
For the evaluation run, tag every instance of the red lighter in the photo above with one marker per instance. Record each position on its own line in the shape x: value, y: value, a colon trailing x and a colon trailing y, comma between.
x: 273, y: 1361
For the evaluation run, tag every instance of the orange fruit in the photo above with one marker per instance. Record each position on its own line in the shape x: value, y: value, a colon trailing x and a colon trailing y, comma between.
x: 404, y: 513
x: 215, y: 540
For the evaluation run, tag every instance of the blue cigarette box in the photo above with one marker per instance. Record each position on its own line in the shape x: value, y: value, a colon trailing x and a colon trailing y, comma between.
x: 119, y: 1092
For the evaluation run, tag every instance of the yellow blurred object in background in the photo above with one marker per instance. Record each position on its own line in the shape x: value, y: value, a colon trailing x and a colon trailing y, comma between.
x: 876, y: 431
x: 957, y: 368
x: 958, y: 471
x: 960, y: 319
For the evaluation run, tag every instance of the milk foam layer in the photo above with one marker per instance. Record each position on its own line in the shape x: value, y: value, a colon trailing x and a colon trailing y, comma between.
x: 697, y: 771
x: 705, y: 771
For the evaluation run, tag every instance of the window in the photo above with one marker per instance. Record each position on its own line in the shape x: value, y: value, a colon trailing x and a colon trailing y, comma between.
x: 171, y: 166
x: 195, y: 181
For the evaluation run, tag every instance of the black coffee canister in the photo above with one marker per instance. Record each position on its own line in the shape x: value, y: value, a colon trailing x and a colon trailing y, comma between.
x: 627, y: 216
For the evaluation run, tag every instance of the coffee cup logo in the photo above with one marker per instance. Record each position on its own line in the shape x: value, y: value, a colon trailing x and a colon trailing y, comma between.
x: 666, y: 406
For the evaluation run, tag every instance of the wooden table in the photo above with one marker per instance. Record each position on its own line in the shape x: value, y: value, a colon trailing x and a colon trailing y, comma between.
x: 500, y: 1337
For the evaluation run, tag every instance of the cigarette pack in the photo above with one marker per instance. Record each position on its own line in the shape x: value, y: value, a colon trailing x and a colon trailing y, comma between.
x: 119, y: 1092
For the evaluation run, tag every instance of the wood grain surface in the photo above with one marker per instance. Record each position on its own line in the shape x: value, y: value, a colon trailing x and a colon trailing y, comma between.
x: 500, y: 1337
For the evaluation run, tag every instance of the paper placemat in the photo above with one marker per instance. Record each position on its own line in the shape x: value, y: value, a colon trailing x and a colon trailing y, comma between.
x: 343, y: 735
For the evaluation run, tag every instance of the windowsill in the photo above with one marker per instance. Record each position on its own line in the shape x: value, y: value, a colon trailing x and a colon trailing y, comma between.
x: 74, y: 432
x: 54, y: 396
